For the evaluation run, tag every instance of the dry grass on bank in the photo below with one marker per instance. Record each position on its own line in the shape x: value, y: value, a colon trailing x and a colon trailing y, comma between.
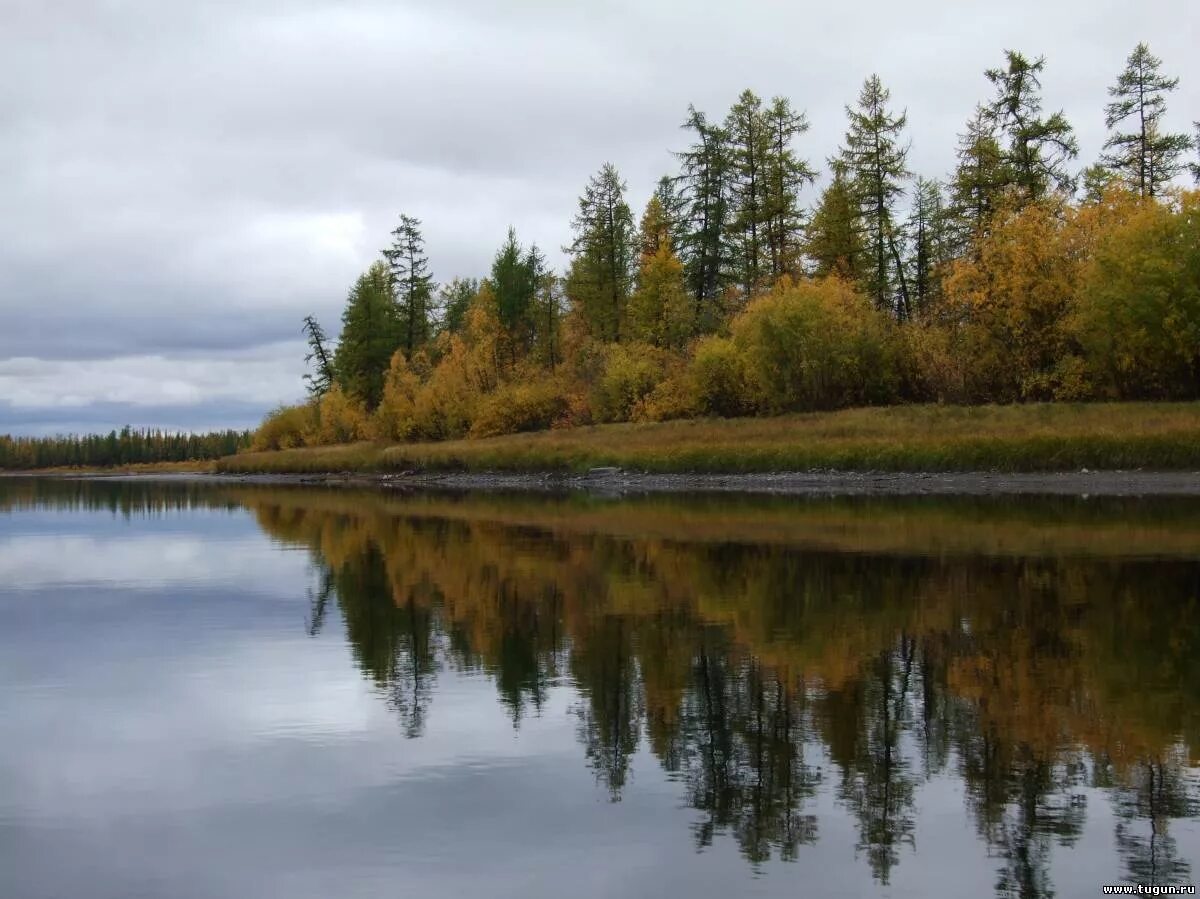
x: 193, y: 467
x: 1041, y: 437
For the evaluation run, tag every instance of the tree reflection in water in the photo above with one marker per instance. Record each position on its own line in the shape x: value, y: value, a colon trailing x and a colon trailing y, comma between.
x: 760, y: 671
x: 767, y: 652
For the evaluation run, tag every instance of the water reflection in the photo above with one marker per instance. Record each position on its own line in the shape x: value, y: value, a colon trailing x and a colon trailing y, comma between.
x: 759, y: 674
x: 773, y: 655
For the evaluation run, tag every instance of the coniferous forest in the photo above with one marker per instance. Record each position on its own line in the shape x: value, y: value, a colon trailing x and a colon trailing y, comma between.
x: 116, y: 448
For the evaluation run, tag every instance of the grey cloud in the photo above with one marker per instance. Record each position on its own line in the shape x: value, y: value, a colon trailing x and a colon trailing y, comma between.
x: 210, y: 415
x: 196, y: 177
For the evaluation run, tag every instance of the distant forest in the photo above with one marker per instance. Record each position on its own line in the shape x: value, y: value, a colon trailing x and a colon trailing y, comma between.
x: 1018, y: 277
x: 124, y: 447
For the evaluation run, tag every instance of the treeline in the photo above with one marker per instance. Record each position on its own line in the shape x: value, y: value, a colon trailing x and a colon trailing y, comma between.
x: 124, y: 447
x: 1018, y: 277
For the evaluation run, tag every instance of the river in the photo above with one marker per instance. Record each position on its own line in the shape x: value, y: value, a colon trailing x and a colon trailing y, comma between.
x: 222, y: 690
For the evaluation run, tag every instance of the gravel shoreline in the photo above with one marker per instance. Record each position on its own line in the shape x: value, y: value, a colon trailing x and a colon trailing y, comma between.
x: 814, y: 483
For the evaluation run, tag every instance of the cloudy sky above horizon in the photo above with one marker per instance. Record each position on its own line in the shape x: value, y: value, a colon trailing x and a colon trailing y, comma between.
x: 182, y: 182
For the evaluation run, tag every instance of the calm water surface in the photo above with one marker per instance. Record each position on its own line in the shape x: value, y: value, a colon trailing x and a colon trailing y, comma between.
x: 215, y: 691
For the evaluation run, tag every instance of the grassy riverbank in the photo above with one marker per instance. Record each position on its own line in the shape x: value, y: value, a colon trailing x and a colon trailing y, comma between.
x: 1046, y: 437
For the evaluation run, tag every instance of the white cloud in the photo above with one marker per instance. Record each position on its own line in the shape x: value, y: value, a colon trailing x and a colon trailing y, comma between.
x: 266, y: 375
x: 51, y: 561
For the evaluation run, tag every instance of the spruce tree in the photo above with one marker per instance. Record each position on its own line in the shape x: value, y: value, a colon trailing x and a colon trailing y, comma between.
x: 875, y: 160
x: 670, y: 195
x: 320, y: 379
x: 834, y: 239
x: 1145, y: 157
x: 929, y: 241
x: 979, y: 179
x: 411, y: 282
x: 371, y: 333
x: 706, y: 186
x: 601, y: 272
x: 1038, y: 147
x: 548, y: 314
x: 534, y: 265
x: 454, y: 299
x: 1195, y: 166
x: 514, y: 278
x: 1095, y: 180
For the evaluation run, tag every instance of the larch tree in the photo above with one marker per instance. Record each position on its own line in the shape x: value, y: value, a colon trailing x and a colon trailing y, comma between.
x: 320, y: 379
x: 1038, y: 146
x: 654, y: 230
x: 660, y: 310
x: 834, y: 239
x: 705, y: 189
x: 371, y: 333
x: 602, y: 254
x: 786, y: 175
x: 1146, y: 157
x: 411, y: 283
x: 750, y: 144
x: 875, y: 160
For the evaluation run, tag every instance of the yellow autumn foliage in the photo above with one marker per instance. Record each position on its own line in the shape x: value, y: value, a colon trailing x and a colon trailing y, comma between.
x: 396, y: 416
x: 817, y: 344
x: 340, y: 419
x: 284, y: 428
x: 1138, y: 319
x: 1054, y: 301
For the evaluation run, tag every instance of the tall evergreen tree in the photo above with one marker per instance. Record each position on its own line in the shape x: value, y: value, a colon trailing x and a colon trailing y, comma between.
x: 411, y: 282
x: 834, y: 239
x: 1146, y: 157
x: 371, y: 332
x: 786, y: 175
x: 929, y: 241
x: 674, y: 205
x: 454, y: 299
x: 1095, y: 180
x: 320, y: 379
x: 979, y: 178
x: 547, y: 315
x: 750, y: 144
x: 515, y: 276
x: 601, y: 273
x: 1038, y: 147
x: 875, y: 160
x: 705, y: 180
x: 1195, y: 166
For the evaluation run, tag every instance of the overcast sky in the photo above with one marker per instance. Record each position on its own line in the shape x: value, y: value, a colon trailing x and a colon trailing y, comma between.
x: 181, y: 182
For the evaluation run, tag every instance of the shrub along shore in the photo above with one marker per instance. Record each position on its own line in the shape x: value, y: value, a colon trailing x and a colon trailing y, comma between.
x: 1014, y: 438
